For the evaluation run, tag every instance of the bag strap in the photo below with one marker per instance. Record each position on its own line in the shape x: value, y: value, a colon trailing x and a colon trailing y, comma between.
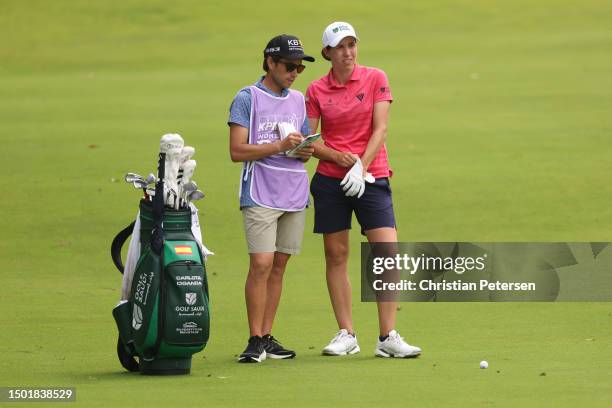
x: 117, y: 244
x: 157, y: 246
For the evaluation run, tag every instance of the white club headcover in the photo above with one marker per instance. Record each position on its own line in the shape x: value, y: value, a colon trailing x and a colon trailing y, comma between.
x: 171, y: 144
x: 188, y: 169
x: 187, y: 153
x: 171, y: 141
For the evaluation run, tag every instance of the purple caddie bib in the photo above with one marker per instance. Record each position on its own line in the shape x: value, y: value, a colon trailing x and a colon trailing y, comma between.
x: 278, y: 181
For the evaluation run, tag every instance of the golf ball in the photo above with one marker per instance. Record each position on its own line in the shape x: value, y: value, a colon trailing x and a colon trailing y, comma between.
x: 484, y: 364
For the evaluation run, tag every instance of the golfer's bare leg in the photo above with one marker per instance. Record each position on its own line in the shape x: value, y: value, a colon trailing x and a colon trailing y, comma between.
x: 387, y: 311
x: 336, y: 259
x: 256, y: 288
x: 275, y: 286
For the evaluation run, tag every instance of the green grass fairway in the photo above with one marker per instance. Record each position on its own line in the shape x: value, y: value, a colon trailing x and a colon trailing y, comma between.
x: 500, y: 131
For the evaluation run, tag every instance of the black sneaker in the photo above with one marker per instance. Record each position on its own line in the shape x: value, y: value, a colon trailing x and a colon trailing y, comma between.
x: 254, y: 352
x: 274, y: 349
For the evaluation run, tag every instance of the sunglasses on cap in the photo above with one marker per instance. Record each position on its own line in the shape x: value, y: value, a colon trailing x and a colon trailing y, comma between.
x: 290, y: 66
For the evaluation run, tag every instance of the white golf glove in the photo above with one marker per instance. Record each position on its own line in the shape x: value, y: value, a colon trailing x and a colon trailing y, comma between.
x: 353, y: 184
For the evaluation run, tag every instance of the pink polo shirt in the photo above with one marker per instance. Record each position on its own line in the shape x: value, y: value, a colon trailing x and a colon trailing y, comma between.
x: 346, y: 113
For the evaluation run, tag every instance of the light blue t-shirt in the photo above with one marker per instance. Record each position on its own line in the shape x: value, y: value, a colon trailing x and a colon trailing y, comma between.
x: 240, y: 114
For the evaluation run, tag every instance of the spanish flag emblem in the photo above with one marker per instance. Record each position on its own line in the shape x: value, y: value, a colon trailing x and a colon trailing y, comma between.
x: 183, y: 250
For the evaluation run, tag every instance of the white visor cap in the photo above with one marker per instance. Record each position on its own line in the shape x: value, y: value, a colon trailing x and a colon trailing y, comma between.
x: 336, y: 31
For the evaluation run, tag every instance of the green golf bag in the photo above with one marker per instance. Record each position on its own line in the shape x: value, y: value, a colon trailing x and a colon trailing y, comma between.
x: 166, y: 319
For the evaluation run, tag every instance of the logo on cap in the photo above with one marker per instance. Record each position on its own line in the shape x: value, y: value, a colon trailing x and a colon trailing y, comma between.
x: 287, y: 46
x: 341, y: 28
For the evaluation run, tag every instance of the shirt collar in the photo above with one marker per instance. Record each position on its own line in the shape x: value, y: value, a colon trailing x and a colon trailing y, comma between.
x: 260, y: 85
x: 355, y: 76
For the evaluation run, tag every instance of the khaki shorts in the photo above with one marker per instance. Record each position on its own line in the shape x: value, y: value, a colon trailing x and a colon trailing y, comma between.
x: 269, y: 230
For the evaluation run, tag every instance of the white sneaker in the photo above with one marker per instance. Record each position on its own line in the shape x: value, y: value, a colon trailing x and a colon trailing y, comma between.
x: 395, y: 346
x: 342, y: 344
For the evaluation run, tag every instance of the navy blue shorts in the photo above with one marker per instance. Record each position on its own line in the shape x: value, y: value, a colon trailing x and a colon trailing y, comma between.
x: 334, y: 210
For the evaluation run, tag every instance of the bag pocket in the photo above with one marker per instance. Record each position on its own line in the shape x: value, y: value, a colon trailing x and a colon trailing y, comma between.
x: 123, y: 317
x: 144, y: 299
x: 186, y: 315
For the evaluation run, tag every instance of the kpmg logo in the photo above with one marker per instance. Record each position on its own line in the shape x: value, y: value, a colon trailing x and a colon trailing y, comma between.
x: 190, y: 298
x: 341, y: 28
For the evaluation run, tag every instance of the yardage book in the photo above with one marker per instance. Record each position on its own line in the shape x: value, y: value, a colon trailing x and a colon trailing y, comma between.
x: 306, y: 142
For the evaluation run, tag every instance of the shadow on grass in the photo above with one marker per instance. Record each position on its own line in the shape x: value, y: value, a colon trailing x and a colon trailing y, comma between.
x: 224, y: 367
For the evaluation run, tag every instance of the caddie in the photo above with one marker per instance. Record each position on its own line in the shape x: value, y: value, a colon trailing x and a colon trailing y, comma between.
x: 266, y: 120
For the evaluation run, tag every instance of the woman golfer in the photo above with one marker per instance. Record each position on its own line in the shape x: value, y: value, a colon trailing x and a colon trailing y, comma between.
x: 352, y: 103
